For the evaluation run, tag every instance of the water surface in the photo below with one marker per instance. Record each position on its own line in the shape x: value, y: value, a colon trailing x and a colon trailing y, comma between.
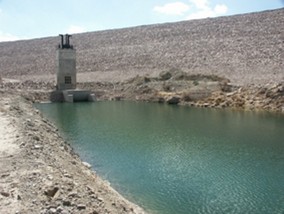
x: 181, y: 160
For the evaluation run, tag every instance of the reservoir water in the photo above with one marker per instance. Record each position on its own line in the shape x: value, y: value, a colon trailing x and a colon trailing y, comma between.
x: 180, y: 160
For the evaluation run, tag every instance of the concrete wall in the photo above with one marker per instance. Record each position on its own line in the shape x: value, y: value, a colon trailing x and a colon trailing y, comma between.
x: 66, y: 69
x: 78, y: 96
x: 72, y: 96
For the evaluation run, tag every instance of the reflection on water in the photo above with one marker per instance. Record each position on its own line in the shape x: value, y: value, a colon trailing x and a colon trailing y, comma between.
x: 173, y: 159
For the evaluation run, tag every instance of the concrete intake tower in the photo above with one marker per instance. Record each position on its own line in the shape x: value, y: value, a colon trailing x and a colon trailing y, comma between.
x: 66, y: 78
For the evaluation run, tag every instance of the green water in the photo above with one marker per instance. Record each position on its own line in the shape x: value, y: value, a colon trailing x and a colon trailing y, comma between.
x: 180, y: 160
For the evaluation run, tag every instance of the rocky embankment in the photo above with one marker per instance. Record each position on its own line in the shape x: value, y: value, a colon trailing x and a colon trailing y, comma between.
x: 177, y: 87
x: 268, y: 98
x: 40, y: 173
x: 172, y: 87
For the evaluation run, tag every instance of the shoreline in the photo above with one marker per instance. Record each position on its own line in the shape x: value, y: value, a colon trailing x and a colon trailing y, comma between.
x: 173, y: 87
x: 40, y: 173
x: 51, y: 178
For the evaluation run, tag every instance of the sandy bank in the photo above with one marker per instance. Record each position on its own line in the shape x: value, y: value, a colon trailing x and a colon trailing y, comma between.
x: 39, y: 172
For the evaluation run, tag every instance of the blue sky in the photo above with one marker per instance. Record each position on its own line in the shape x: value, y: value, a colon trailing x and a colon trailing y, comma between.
x: 26, y: 19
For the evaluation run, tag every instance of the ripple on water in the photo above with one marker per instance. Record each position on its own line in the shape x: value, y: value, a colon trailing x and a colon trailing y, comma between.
x: 181, y: 160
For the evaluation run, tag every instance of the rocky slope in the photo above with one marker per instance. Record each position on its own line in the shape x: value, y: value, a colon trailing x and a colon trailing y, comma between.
x: 172, y: 87
x: 245, y: 48
x: 40, y: 173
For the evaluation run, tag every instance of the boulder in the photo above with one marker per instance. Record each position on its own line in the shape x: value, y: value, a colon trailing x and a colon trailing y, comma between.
x: 51, y: 192
x: 173, y: 100
x: 165, y: 75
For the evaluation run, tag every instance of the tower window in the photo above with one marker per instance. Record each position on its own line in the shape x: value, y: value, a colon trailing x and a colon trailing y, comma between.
x: 68, y: 80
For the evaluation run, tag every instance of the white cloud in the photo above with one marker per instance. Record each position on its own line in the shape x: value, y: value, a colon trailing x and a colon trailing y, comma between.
x: 204, y: 10
x: 4, y: 37
x: 175, y: 8
x: 220, y: 9
x: 75, y: 29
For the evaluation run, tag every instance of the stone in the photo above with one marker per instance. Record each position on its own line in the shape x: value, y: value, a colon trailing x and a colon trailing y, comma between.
x: 52, y: 210
x: 66, y: 203
x: 51, y: 192
x: 38, y: 147
x: 5, y: 175
x: 87, y: 165
x: 186, y: 98
x: 93, y: 196
x: 100, y: 199
x: 73, y: 162
x: 90, y: 189
x: 173, y: 100
x: 224, y: 104
x: 29, y: 123
x: 67, y: 175
x: 73, y: 195
x: 165, y: 75
x: 35, y: 137
x: 5, y: 194
x: 59, y: 209
x: 81, y: 207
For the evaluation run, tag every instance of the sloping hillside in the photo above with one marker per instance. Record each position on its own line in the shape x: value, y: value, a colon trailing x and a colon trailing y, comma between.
x: 245, y: 48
